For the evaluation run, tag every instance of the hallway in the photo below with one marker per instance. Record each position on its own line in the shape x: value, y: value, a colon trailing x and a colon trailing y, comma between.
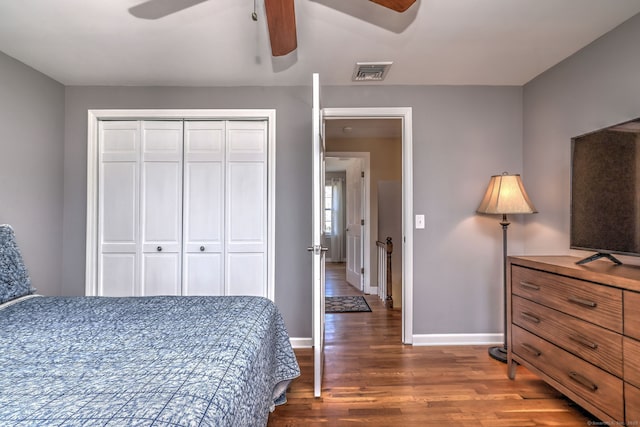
x: 335, y: 281
x: 359, y: 329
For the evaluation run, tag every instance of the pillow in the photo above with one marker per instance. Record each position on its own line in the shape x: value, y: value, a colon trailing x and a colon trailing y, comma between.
x: 14, y: 279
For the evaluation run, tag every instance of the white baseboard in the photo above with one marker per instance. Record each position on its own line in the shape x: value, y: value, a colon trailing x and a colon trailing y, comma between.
x: 458, y: 339
x: 429, y: 340
x: 301, y: 342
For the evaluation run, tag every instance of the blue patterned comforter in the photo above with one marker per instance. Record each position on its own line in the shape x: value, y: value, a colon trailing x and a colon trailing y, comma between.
x: 146, y: 361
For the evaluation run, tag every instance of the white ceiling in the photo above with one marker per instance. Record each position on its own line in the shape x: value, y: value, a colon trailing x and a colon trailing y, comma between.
x: 338, y: 164
x: 216, y: 43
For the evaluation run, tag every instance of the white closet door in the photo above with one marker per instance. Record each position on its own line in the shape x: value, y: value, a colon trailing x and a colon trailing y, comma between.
x: 246, y: 208
x: 161, y: 207
x: 204, y: 157
x: 118, y: 225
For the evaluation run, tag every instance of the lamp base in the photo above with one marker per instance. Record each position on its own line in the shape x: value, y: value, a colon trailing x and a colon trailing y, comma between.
x: 499, y: 353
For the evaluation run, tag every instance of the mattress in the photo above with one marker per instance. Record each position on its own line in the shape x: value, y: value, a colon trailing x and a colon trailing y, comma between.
x: 144, y: 361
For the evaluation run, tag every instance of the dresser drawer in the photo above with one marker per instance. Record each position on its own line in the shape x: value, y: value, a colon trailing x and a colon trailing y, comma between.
x: 598, y: 304
x: 632, y: 361
x: 594, y: 385
x: 632, y: 405
x: 632, y: 314
x: 599, y: 346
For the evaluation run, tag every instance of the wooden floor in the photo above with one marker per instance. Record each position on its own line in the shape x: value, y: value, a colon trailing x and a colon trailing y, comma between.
x: 371, y: 379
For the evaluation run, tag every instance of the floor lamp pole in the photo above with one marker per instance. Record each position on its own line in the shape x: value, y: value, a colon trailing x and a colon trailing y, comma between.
x: 500, y: 353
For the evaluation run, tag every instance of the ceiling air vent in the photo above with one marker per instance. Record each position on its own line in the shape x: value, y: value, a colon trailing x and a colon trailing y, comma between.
x: 370, y: 71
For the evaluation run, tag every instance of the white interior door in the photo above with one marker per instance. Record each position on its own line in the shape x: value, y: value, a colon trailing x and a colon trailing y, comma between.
x: 161, y: 207
x: 317, y: 238
x: 246, y: 208
x: 354, y: 224
x: 134, y: 197
x: 203, y: 230
x: 118, y: 223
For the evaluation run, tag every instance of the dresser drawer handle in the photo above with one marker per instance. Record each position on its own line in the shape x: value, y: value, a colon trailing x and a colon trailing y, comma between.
x: 583, y: 341
x: 530, y: 286
x: 531, y: 349
x: 530, y: 317
x: 583, y: 302
x: 585, y: 382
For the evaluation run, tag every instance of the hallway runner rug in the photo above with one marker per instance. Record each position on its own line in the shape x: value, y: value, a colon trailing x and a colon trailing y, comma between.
x: 348, y: 304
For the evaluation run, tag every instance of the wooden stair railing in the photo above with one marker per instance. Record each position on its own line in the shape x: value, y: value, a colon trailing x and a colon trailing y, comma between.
x: 385, y: 290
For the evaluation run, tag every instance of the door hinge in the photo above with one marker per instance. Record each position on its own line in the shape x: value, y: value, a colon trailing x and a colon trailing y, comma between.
x: 362, y: 270
x: 362, y: 174
x: 362, y: 222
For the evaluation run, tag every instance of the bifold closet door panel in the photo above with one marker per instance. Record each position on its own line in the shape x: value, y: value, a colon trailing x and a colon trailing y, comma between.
x: 246, y: 208
x: 204, y: 157
x: 118, y: 214
x: 161, y: 207
x: 118, y: 262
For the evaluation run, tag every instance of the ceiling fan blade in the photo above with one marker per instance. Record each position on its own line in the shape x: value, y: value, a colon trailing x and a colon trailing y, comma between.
x: 281, y: 19
x: 397, y: 5
x: 156, y: 9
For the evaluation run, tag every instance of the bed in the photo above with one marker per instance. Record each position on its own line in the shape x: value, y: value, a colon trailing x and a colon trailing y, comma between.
x: 161, y: 361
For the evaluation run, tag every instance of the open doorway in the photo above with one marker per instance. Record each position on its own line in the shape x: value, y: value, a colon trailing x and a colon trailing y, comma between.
x: 320, y: 118
x: 347, y: 202
x: 364, y: 165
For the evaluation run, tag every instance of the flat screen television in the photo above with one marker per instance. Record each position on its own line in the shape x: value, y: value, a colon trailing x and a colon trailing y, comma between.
x: 605, y: 192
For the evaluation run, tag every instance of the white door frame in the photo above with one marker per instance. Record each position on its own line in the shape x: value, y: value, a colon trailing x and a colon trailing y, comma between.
x: 366, y: 203
x: 94, y: 116
x: 318, y: 263
x: 405, y: 114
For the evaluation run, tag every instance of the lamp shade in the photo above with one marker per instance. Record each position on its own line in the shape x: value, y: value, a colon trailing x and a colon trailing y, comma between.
x: 506, y: 195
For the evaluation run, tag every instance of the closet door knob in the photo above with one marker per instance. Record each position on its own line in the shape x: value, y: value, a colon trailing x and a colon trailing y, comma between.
x: 201, y: 248
x: 159, y: 248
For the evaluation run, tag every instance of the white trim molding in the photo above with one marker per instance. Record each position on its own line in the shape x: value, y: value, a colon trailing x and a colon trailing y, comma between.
x: 458, y: 339
x: 301, y: 342
x: 94, y: 116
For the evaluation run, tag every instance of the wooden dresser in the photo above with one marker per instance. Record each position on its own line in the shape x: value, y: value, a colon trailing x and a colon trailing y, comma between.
x: 578, y: 328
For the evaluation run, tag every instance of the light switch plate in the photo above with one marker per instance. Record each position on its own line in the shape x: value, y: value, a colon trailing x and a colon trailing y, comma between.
x: 419, y: 221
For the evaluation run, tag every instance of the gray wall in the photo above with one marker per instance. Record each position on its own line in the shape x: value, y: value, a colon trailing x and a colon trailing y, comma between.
x: 31, y: 167
x: 462, y: 135
x: 597, y: 87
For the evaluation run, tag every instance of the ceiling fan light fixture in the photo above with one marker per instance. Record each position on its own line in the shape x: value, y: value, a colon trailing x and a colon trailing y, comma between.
x: 371, y: 71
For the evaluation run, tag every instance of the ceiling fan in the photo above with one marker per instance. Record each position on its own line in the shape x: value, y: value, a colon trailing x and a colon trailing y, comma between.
x: 281, y: 20
x: 281, y: 17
